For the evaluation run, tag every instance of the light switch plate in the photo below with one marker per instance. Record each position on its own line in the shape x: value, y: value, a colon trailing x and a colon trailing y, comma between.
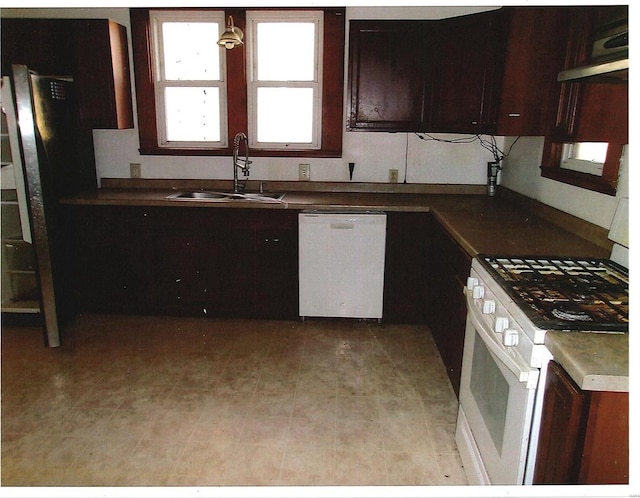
x: 304, y: 172
x: 135, y: 170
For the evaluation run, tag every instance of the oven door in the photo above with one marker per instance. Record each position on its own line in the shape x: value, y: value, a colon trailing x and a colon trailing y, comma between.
x: 497, y: 395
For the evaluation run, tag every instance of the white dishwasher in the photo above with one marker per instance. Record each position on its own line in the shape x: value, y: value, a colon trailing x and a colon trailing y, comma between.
x: 341, y: 263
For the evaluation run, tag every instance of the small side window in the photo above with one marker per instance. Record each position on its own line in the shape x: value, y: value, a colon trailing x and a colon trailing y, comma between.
x: 586, y: 157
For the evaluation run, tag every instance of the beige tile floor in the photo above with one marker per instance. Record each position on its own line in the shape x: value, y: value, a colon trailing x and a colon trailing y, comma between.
x: 148, y: 401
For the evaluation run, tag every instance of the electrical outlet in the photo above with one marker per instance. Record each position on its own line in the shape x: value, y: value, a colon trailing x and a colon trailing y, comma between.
x: 304, y: 172
x: 393, y: 176
x: 135, y: 170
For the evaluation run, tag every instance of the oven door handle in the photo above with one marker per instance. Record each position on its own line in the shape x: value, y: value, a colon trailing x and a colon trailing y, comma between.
x: 509, y: 358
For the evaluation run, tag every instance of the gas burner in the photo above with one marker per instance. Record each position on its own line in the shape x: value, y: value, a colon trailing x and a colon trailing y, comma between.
x: 565, y: 293
x: 571, y: 316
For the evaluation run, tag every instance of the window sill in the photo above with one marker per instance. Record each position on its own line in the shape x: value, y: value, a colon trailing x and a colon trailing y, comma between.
x: 578, y: 179
x: 167, y: 151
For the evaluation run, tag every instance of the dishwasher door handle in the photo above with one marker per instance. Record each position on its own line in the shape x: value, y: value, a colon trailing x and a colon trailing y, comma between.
x: 342, y: 226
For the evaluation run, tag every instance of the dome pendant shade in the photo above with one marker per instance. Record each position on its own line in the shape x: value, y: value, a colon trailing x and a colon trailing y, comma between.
x: 232, y: 36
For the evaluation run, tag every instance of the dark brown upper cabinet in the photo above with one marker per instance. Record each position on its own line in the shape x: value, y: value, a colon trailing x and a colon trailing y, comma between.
x: 587, y: 111
x: 103, y: 74
x: 387, y: 75
x: 93, y: 51
x: 437, y: 76
x: 468, y: 71
x: 533, y: 58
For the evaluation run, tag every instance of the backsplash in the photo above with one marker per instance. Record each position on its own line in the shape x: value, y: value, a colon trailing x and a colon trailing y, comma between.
x: 374, y: 154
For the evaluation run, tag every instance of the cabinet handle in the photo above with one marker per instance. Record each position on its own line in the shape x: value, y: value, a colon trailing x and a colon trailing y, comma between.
x: 514, y: 114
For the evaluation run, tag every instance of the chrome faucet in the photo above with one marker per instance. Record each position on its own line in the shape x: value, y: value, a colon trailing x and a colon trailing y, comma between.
x: 239, y: 163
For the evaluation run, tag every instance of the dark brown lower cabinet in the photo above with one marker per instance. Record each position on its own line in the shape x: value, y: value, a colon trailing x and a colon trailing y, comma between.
x: 448, y: 268
x: 185, y: 261
x: 110, y: 256
x: 405, y: 269
x: 584, y: 435
x: 275, y: 284
x: 237, y: 262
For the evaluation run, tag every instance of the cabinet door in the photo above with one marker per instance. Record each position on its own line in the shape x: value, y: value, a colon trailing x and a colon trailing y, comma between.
x: 561, y: 431
x: 102, y: 73
x: 584, y: 435
x: 449, y: 267
x: 275, y: 285
x: 111, y: 249
x: 203, y: 262
x: 469, y: 68
x: 605, y: 457
x: 226, y: 263
x: 387, y: 66
x: 405, y: 272
x: 533, y: 59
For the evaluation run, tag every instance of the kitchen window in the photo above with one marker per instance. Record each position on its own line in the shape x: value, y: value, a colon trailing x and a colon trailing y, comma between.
x: 190, y: 88
x: 291, y: 109
x: 570, y: 162
x: 587, y: 157
x: 284, y: 98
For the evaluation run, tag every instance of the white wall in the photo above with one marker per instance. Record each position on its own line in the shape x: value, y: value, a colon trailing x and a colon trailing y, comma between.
x: 521, y: 173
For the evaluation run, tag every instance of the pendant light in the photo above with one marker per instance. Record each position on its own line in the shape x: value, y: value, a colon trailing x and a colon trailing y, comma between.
x: 232, y: 36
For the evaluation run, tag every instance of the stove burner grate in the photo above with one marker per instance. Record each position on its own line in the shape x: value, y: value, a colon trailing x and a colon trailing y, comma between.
x: 565, y: 293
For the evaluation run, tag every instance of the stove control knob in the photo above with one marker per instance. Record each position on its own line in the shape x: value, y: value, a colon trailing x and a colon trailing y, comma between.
x: 478, y: 292
x: 510, y: 337
x: 488, y: 306
x: 502, y: 323
x: 471, y: 282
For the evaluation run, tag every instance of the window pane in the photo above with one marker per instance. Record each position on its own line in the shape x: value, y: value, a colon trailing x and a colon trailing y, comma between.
x: 191, y: 51
x: 285, y: 115
x: 586, y: 157
x: 192, y: 114
x: 276, y: 55
x: 590, y: 151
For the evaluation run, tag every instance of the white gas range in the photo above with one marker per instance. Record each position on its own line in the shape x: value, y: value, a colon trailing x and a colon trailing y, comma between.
x: 511, y: 303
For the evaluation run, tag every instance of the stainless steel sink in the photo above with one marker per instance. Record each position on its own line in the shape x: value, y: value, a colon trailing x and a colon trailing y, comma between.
x: 199, y: 195
x: 259, y: 196
x: 203, y: 195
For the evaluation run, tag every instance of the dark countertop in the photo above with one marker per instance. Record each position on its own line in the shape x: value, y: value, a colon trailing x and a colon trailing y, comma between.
x: 479, y: 223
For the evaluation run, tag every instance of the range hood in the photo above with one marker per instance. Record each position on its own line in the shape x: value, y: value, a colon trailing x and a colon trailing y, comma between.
x: 609, y: 57
x: 609, y: 71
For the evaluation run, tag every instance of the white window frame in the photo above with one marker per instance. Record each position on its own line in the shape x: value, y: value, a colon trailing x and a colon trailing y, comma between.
x: 157, y: 17
x: 570, y: 162
x: 255, y: 17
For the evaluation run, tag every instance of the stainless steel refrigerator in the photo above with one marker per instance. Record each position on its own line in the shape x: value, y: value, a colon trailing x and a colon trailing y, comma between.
x: 47, y: 129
